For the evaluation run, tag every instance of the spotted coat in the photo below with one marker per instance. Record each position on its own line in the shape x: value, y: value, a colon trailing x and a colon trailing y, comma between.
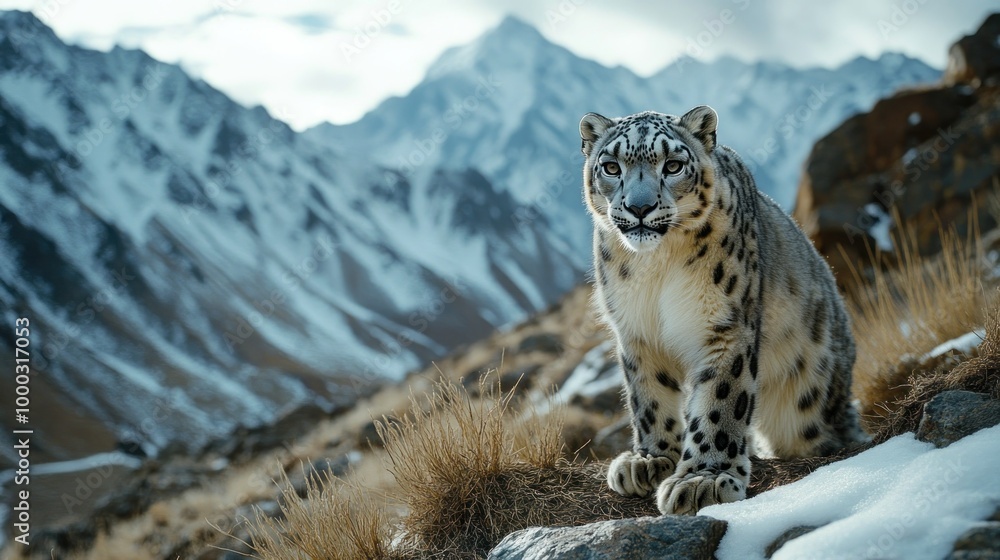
x: 732, y: 337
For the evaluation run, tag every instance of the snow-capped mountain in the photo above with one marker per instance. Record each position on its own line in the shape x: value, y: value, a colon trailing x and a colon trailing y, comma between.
x: 190, y: 265
x: 509, y: 105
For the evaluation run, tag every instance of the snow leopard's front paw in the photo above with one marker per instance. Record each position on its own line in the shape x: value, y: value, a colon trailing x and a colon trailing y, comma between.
x: 634, y: 474
x: 688, y: 493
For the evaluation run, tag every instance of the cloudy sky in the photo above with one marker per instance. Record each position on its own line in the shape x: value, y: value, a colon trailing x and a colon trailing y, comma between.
x: 324, y: 60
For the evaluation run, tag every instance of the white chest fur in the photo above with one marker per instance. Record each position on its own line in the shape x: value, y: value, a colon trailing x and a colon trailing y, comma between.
x: 665, y: 304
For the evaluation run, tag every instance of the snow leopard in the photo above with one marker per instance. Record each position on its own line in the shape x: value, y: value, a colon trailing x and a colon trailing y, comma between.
x: 730, y: 331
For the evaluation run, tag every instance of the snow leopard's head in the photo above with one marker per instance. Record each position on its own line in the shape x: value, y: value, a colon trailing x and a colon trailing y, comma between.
x: 648, y: 173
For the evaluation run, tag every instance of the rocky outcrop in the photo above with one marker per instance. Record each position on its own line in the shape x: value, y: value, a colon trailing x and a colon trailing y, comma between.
x: 952, y: 415
x: 669, y: 537
x: 975, y: 59
x: 979, y: 543
x: 787, y: 536
x: 922, y: 155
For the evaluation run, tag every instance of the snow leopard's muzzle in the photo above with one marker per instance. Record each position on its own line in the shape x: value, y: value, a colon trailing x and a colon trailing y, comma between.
x: 642, y: 213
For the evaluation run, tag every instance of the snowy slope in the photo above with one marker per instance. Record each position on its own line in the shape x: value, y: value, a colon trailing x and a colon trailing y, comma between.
x: 509, y: 105
x: 901, y: 499
x: 190, y: 265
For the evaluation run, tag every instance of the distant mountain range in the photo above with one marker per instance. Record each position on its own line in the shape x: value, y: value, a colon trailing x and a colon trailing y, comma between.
x: 191, y: 266
x: 509, y: 104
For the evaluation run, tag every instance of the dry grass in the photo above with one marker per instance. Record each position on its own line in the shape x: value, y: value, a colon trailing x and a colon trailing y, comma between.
x: 980, y: 374
x: 904, y: 311
x: 467, y: 470
x: 471, y: 472
x: 333, y: 522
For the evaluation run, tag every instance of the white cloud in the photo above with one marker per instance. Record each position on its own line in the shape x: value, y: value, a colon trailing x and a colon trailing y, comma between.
x: 322, y: 61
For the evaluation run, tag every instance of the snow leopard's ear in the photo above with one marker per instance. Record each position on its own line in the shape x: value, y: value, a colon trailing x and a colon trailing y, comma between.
x: 702, y: 121
x: 592, y: 126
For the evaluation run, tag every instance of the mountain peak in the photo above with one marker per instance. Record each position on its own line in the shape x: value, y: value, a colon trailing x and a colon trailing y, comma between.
x: 512, y: 42
x: 19, y: 25
x: 513, y: 27
x: 16, y: 17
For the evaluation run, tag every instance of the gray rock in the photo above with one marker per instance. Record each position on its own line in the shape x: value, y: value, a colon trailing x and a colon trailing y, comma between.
x: 789, y: 535
x: 300, y: 474
x: 668, y: 537
x: 986, y: 537
x: 542, y: 342
x: 952, y: 415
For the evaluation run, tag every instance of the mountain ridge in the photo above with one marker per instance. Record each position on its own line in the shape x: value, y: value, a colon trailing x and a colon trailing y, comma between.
x: 517, y: 135
x: 267, y: 269
x: 262, y: 271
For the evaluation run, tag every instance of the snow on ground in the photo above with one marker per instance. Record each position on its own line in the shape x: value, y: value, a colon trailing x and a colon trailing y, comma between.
x: 880, y: 229
x: 963, y: 344
x: 903, y: 499
x: 590, y: 377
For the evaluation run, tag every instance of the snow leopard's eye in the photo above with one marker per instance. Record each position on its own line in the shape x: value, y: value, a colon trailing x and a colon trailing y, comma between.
x: 611, y: 168
x: 672, y: 167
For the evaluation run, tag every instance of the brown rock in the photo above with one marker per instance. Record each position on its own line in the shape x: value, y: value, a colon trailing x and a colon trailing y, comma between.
x: 975, y: 59
x: 922, y: 154
x: 789, y: 535
x: 953, y: 415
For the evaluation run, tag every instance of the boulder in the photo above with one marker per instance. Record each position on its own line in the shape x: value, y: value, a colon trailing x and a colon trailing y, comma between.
x: 922, y: 154
x: 522, y: 378
x: 784, y: 538
x: 668, y: 537
x: 549, y: 343
x: 975, y: 59
x: 952, y: 415
x: 979, y: 543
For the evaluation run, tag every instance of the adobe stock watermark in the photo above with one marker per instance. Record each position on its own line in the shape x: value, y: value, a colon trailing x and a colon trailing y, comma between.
x: 452, y: 118
x: 367, y: 32
x: 85, y: 485
x: 696, y: 45
x: 418, y: 321
x: 548, y: 198
x: 896, y: 529
x: 562, y: 11
x: 121, y: 106
x: 790, y: 123
x: 227, y: 7
x: 26, y: 36
x: 248, y: 150
x: 49, y: 10
x: 83, y: 314
x: 915, y: 163
x: 292, y: 279
x: 899, y: 16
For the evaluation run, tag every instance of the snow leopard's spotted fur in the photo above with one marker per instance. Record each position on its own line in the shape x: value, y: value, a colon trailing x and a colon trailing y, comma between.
x: 728, y: 322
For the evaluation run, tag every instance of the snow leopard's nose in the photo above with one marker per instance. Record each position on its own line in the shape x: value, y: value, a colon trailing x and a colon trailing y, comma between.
x: 641, y: 211
x: 641, y: 195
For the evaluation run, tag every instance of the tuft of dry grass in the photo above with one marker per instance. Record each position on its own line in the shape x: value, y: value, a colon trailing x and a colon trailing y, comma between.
x: 472, y: 471
x: 904, y: 311
x: 333, y: 521
x: 468, y: 470
x: 980, y: 374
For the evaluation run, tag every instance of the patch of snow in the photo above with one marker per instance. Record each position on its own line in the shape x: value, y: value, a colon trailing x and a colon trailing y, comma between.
x: 880, y: 229
x: 913, y: 119
x: 902, y: 499
x: 590, y: 377
x: 963, y: 344
x: 909, y: 156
